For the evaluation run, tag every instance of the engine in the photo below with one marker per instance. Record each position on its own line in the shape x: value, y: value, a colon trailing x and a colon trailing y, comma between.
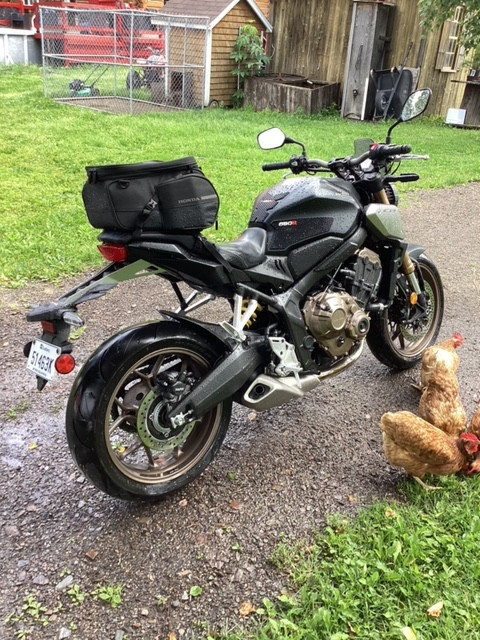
x: 335, y: 316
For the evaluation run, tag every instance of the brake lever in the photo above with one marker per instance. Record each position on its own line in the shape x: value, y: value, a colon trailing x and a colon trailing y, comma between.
x: 409, y: 157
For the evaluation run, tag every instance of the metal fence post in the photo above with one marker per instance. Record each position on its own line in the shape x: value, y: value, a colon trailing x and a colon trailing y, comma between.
x: 123, y: 61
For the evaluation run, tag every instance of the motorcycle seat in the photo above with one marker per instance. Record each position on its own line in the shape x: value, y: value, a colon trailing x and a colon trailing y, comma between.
x: 247, y: 251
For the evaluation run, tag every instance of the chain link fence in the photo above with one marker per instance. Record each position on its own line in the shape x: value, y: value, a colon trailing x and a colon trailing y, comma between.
x: 123, y: 61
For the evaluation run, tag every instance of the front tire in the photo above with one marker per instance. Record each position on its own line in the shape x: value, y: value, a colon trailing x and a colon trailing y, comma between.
x: 396, y: 338
x: 116, y: 414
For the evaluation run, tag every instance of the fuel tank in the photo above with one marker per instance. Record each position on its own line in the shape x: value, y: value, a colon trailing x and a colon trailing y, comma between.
x: 301, y: 211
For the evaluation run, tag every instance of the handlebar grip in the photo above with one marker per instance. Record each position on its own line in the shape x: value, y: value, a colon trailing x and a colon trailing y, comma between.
x: 381, y: 151
x: 399, y: 149
x: 403, y: 177
x: 273, y: 166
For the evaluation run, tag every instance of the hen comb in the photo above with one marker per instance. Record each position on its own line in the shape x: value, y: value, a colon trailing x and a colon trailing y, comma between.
x: 457, y: 340
x: 470, y: 437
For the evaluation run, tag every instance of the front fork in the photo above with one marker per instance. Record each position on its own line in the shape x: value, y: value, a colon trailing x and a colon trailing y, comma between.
x: 407, y: 266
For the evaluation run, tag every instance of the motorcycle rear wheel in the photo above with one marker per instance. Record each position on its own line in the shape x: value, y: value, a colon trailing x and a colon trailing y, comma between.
x: 394, y: 340
x: 116, y: 415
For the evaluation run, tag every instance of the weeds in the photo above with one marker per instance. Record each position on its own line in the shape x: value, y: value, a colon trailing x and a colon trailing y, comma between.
x: 195, y: 591
x: 76, y: 595
x: 109, y: 594
x: 31, y: 613
x: 19, y: 408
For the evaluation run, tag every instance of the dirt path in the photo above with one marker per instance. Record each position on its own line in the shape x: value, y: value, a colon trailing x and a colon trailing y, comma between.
x: 276, y: 476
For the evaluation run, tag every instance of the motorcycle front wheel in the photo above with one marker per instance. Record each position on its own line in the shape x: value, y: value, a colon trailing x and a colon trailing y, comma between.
x: 116, y: 421
x: 399, y: 336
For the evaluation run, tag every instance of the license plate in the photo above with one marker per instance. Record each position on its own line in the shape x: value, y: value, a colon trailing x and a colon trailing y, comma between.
x: 41, y: 359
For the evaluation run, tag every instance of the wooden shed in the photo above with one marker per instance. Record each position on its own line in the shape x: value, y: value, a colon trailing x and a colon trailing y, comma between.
x: 313, y: 38
x: 225, y: 17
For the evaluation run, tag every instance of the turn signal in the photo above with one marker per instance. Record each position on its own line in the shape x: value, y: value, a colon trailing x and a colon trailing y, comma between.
x: 413, y: 298
x: 113, y: 252
x: 65, y: 363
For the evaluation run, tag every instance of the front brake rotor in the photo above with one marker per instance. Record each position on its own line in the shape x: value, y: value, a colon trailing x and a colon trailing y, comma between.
x: 412, y: 332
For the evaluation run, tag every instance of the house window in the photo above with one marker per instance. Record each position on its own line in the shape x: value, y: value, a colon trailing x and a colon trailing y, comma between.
x: 449, y: 51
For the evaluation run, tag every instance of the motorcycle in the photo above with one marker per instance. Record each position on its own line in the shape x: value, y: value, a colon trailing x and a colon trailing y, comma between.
x: 322, y: 269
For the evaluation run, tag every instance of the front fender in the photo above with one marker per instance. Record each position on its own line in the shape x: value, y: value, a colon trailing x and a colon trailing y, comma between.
x: 415, y: 251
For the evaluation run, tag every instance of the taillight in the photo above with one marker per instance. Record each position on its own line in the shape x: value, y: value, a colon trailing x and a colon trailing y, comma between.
x: 65, y: 363
x: 113, y: 252
x: 48, y: 327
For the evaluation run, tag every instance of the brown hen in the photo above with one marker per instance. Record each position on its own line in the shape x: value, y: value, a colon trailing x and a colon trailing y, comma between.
x: 440, y: 402
x: 419, y: 447
x: 444, y: 352
x: 474, y: 428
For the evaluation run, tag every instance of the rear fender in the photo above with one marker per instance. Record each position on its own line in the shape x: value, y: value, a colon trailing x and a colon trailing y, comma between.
x: 142, y: 335
x: 59, y: 317
x: 209, y: 331
x: 111, y: 354
x: 94, y: 287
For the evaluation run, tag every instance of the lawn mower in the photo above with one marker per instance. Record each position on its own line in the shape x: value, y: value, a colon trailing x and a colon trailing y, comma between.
x: 81, y: 88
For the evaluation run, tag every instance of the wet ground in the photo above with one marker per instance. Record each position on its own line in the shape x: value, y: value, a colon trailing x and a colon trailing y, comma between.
x: 65, y: 546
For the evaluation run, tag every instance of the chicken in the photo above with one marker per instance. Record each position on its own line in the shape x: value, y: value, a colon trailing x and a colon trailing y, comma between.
x: 474, y: 426
x: 440, y: 402
x: 419, y: 447
x: 444, y: 352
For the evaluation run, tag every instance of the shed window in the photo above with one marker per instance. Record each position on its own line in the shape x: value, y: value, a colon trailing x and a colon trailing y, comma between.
x: 449, y: 51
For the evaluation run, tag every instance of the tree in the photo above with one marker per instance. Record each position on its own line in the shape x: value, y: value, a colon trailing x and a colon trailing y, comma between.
x: 250, y: 58
x: 435, y: 12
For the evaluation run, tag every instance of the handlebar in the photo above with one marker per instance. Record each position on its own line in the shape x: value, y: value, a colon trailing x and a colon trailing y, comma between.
x: 297, y: 164
x: 273, y: 166
x: 380, y: 152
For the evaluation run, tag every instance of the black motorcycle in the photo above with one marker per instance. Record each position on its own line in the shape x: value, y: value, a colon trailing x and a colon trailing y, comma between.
x: 322, y: 269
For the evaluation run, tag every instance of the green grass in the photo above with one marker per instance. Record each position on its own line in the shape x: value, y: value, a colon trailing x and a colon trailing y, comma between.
x: 374, y: 576
x: 46, y: 145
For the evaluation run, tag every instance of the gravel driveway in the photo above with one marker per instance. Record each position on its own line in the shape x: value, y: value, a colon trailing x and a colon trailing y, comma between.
x: 278, y: 474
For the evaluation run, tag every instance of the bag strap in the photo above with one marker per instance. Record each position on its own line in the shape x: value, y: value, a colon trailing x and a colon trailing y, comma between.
x: 212, y: 249
x: 142, y: 218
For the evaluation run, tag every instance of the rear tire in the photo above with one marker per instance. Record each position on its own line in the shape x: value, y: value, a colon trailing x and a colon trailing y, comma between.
x: 395, y: 337
x: 116, y: 426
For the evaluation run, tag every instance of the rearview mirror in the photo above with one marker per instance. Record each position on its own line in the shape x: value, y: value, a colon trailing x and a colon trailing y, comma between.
x: 415, y: 104
x: 271, y: 139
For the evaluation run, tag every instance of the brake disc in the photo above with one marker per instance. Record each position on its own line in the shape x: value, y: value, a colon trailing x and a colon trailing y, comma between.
x: 407, y: 330
x: 152, y: 425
